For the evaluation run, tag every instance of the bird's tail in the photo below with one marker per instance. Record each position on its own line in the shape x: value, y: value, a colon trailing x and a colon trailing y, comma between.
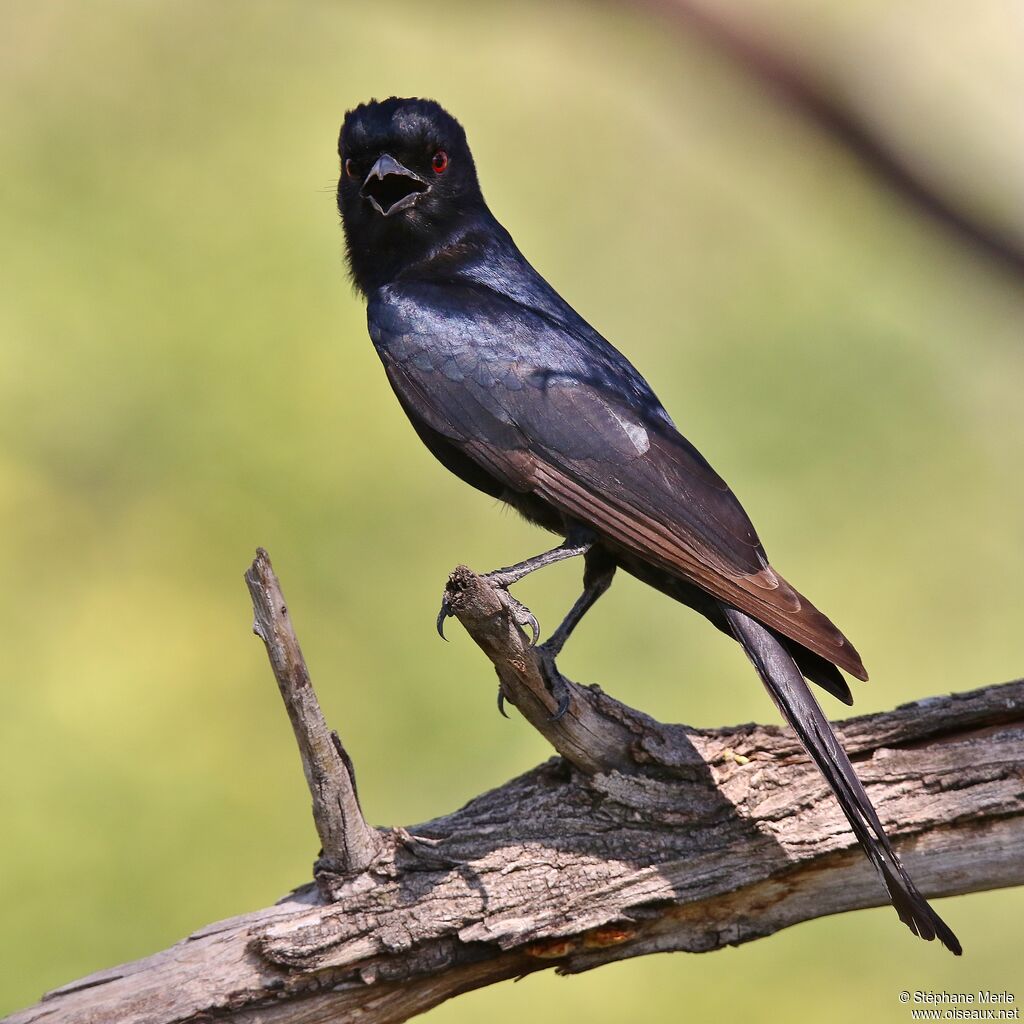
x: 790, y: 692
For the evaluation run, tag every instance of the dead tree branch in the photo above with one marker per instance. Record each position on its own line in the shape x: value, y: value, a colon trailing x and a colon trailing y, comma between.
x: 642, y: 837
x: 349, y: 844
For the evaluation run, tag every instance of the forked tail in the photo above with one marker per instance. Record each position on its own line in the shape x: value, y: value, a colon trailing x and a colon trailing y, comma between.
x: 793, y: 698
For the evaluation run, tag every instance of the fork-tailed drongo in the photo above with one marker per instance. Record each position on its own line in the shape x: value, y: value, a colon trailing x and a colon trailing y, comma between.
x: 518, y: 395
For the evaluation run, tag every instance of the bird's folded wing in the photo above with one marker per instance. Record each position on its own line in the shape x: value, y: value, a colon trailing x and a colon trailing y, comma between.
x: 529, y: 403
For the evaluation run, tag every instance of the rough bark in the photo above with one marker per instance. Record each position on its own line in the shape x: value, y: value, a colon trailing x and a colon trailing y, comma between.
x: 641, y: 837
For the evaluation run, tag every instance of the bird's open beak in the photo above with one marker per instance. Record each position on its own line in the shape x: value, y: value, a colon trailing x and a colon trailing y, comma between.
x: 391, y: 186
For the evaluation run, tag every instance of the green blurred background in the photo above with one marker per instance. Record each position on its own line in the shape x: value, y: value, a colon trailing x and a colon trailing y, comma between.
x: 185, y: 374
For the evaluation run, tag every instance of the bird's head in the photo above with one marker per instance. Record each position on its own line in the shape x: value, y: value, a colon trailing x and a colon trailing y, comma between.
x: 407, y: 182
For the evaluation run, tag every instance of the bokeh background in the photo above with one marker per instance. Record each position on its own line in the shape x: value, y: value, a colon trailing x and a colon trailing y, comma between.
x: 185, y: 374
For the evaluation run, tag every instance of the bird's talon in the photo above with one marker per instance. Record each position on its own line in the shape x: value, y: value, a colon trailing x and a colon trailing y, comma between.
x: 534, y: 625
x: 501, y: 701
x: 444, y: 613
x: 521, y: 615
x: 563, y: 706
x: 558, y: 686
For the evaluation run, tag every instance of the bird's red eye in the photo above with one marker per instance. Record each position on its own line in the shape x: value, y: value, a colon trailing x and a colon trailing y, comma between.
x: 350, y: 168
x: 440, y: 162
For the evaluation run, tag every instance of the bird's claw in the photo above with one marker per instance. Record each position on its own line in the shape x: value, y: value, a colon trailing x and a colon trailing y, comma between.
x: 521, y: 615
x: 558, y: 686
x: 444, y: 613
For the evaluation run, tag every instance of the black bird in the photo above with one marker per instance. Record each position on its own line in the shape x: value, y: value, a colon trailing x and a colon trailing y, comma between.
x: 518, y: 395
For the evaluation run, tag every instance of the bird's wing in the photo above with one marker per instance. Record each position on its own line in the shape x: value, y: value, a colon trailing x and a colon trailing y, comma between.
x: 546, y: 411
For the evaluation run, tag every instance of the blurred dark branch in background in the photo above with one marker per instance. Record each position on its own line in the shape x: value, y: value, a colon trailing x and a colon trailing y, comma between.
x: 641, y: 838
x: 760, y: 56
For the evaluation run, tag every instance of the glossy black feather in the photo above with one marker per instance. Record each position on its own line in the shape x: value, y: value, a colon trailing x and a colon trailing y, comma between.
x: 480, y: 369
x: 788, y: 690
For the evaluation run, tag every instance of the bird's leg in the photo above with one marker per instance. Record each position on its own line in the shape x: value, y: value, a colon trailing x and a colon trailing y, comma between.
x: 504, y: 578
x: 578, y: 542
x: 597, y: 578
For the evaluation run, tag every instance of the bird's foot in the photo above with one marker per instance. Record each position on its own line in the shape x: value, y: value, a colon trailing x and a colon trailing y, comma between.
x: 521, y: 615
x: 558, y: 686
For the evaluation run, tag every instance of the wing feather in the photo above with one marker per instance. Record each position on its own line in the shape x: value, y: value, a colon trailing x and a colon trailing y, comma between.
x: 545, y: 408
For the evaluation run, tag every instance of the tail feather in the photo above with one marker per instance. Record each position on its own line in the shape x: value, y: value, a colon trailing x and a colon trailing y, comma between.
x: 785, y: 683
x: 818, y: 669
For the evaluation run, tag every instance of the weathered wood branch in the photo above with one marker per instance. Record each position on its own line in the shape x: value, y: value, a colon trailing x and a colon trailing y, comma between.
x: 349, y: 844
x: 642, y: 837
